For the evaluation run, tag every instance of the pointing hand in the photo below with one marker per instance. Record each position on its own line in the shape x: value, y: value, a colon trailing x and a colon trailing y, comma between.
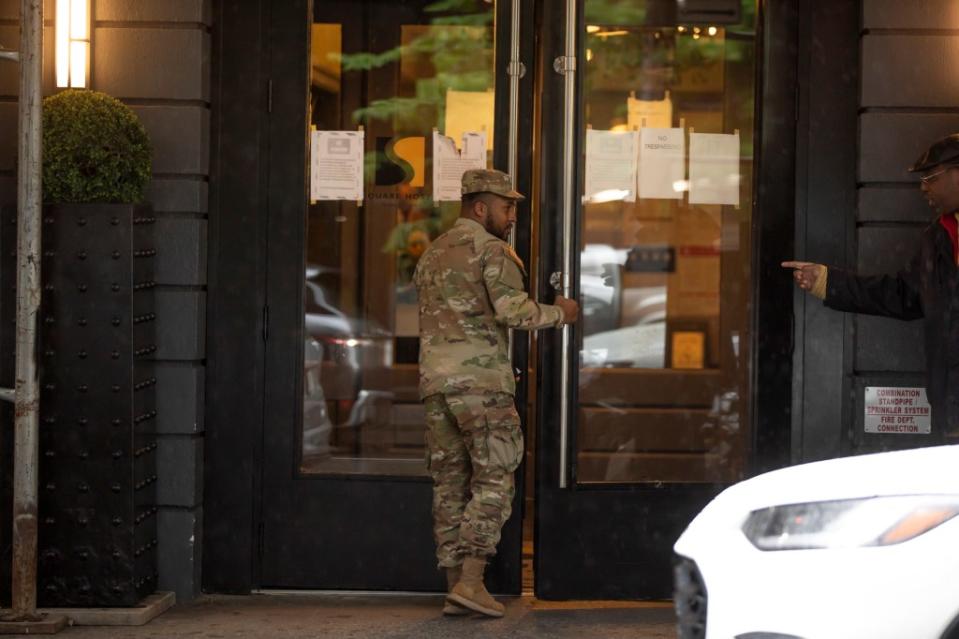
x: 805, y: 273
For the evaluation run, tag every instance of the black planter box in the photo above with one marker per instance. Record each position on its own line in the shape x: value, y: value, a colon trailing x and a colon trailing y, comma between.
x: 97, y: 508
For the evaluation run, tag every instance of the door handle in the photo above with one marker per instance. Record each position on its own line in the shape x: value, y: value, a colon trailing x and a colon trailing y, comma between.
x: 513, y: 142
x: 561, y: 280
x: 556, y: 281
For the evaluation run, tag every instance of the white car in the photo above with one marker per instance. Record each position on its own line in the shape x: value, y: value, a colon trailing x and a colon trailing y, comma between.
x: 855, y: 548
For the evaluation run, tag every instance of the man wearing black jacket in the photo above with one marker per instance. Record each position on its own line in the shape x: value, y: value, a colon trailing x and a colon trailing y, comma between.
x: 927, y: 288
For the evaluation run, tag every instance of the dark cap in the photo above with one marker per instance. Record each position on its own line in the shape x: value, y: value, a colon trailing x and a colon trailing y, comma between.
x: 490, y: 181
x: 944, y: 151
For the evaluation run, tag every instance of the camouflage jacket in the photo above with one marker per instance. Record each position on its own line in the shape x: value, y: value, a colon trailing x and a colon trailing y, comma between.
x: 471, y: 291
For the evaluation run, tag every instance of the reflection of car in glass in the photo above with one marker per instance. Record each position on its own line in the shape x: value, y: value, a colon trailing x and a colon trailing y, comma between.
x: 339, y: 351
x: 854, y: 548
x: 606, y: 301
x: 641, y: 346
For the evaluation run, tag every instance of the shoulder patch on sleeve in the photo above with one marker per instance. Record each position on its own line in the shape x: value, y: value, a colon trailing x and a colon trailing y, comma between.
x: 499, y: 247
x: 513, y: 256
x: 502, y: 268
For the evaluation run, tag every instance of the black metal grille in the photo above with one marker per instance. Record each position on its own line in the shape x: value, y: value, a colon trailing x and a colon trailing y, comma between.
x: 97, y: 508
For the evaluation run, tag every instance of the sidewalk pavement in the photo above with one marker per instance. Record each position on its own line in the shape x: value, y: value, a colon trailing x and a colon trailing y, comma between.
x: 390, y: 616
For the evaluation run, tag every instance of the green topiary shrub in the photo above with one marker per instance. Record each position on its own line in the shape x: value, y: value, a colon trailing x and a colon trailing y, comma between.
x: 94, y: 150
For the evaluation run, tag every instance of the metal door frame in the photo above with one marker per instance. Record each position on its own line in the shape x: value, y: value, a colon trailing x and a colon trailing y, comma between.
x: 588, y: 507
x: 236, y: 456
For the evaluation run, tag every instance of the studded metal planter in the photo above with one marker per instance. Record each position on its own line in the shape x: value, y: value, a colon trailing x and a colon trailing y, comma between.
x: 97, y: 404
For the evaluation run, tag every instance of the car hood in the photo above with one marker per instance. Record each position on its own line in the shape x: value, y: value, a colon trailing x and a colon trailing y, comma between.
x: 908, y: 472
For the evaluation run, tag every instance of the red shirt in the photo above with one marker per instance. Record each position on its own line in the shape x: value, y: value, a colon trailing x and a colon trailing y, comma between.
x: 951, y: 224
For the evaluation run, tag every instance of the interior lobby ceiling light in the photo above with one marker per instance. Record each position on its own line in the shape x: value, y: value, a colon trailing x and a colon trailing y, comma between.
x: 610, y: 34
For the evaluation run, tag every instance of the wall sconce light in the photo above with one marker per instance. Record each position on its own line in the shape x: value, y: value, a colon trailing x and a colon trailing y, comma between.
x: 73, y: 43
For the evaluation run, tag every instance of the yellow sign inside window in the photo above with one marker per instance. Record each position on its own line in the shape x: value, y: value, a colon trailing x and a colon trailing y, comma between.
x: 688, y: 349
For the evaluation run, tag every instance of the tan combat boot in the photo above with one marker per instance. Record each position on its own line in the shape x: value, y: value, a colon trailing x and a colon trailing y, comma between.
x: 470, y: 591
x: 452, y: 578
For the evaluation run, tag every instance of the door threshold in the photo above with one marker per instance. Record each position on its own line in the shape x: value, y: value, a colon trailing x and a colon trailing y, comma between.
x: 595, y: 604
x: 528, y: 598
x: 280, y: 592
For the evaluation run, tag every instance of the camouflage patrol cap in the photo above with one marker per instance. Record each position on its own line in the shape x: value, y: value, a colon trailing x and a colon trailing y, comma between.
x: 490, y: 181
x: 943, y: 151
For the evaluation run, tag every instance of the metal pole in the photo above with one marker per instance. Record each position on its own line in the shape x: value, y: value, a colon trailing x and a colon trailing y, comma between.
x: 515, y: 71
x: 569, y: 205
x: 26, y: 448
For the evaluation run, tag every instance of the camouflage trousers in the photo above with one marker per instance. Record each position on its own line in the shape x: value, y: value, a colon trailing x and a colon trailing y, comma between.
x: 475, y: 444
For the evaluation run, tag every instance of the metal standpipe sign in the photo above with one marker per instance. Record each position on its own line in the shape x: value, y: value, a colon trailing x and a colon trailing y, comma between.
x: 897, y: 410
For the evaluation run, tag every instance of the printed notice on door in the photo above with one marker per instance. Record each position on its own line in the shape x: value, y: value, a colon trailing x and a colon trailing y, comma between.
x: 662, y: 163
x: 610, y: 166
x: 897, y: 410
x: 336, y: 165
x: 450, y: 163
x: 714, y: 168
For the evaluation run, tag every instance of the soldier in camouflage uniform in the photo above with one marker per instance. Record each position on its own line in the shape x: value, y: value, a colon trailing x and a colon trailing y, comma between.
x: 470, y: 286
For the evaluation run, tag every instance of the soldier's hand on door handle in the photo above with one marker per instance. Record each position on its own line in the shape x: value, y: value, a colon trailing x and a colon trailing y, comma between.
x: 569, y: 307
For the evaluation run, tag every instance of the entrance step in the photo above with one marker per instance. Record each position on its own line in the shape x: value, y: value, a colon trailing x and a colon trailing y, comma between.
x: 151, y: 606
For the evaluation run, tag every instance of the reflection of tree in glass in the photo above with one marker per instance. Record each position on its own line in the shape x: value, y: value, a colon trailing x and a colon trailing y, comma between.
x: 417, y: 225
x: 640, y: 48
x: 653, y: 45
x: 615, y: 12
x: 626, y: 13
x: 643, y: 58
x: 455, y: 49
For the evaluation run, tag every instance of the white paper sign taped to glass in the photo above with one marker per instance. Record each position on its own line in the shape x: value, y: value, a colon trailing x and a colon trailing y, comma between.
x: 662, y: 163
x: 336, y: 165
x: 469, y: 111
x: 610, y: 166
x: 897, y: 410
x: 657, y: 114
x: 450, y: 163
x: 714, y: 168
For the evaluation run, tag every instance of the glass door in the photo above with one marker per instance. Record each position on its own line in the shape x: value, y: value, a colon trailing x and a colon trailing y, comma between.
x: 647, y: 218
x: 346, y: 495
